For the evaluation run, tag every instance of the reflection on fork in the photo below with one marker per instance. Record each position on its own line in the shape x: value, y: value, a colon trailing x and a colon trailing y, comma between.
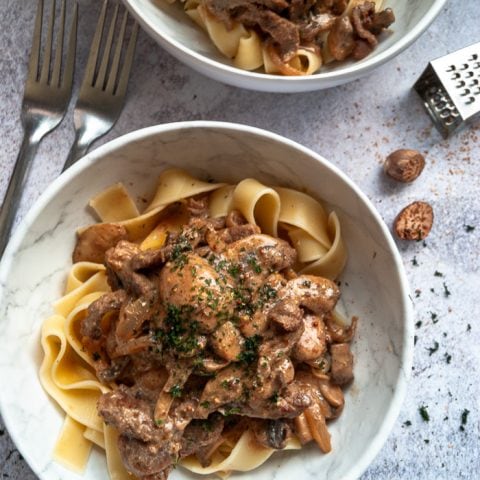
x: 104, y: 85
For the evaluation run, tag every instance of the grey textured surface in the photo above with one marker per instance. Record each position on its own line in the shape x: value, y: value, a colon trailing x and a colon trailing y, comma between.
x: 355, y: 127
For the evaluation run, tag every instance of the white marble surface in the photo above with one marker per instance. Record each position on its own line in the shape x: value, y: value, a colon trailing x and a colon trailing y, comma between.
x: 354, y: 126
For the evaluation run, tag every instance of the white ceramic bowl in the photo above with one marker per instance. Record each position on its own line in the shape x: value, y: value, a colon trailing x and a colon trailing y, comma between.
x: 33, y: 272
x: 174, y: 31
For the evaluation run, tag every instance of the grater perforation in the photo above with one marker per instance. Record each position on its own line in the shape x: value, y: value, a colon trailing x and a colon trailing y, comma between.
x: 450, y: 89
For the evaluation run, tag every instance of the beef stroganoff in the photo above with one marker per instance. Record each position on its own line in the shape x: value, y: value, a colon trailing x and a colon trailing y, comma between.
x: 290, y: 37
x: 202, y: 332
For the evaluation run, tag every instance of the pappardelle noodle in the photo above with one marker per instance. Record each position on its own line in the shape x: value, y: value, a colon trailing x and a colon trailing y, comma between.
x: 202, y: 331
x: 290, y: 37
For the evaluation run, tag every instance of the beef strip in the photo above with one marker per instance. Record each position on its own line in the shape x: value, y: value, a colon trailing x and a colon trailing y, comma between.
x: 263, y: 14
x: 311, y: 28
x: 94, y: 241
x: 91, y: 325
x: 341, y: 39
x: 201, y: 433
x: 342, y: 363
x: 133, y: 417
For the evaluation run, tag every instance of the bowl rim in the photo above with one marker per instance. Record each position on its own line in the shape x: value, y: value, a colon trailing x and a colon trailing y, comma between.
x: 245, y: 77
x: 406, y: 355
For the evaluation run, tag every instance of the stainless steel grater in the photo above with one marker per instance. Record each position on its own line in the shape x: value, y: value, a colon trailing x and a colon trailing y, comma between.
x: 450, y: 89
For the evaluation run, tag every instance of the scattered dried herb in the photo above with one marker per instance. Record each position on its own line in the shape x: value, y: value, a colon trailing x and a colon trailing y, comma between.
x: 438, y: 274
x: 250, y: 350
x: 446, y: 291
x: 408, y: 423
x: 469, y: 228
x: 414, y: 262
x: 418, y: 324
x: 448, y: 358
x: 434, y: 317
x: 464, y: 419
x: 176, y: 391
x: 415, y: 338
x: 424, y: 413
x: 469, y: 327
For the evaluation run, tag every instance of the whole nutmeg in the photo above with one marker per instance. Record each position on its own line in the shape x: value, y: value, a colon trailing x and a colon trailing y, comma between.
x: 414, y: 222
x: 404, y: 165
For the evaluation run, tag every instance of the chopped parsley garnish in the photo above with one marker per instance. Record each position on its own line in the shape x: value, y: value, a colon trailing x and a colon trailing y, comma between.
x: 159, y: 421
x: 250, y: 350
x: 414, y: 262
x: 178, y: 256
x: 408, y: 423
x: 252, y: 261
x: 424, y: 413
x: 438, y: 274
x: 434, y: 317
x: 448, y: 357
x: 274, y: 397
x: 464, y: 419
x: 266, y: 293
x: 433, y: 349
x: 469, y: 228
x: 418, y: 324
x: 175, y: 391
x: 446, y: 291
x: 469, y: 327
x: 205, y: 404
x: 234, y: 270
x: 231, y: 411
x: 426, y: 440
x: 180, y: 330
x: 415, y: 338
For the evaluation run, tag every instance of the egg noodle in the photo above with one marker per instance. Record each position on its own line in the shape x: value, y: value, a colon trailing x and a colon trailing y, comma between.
x: 247, y: 50
x: 67, y: 372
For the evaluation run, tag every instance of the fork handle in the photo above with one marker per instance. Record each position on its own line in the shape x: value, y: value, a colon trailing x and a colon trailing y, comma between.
x: 78, y: 150
x: 16, y: 186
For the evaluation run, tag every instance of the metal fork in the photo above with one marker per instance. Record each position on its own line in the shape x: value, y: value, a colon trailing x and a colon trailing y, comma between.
x: 45, y: 101
x: 101, y: 97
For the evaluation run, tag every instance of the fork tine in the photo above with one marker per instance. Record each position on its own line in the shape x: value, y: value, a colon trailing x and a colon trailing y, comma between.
x: 72, y: 42
x: 95, y: 47
x: 99, y: 83
x: 48, y: 47
x: 59, y: 49
x: 112, y: 77
x: 127, y: 65
x: 35, y: 53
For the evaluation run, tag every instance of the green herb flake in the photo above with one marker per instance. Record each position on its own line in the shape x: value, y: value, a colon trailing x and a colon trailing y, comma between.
x: 176, y: 391
x: 414, y: 262
x: 438, y: 274
x: 448, y: 358
x: 274, y: 398
x: 446, y: 291
x: 469, y: 228
x: 427, y: 440
x: 424, y: 413
x: 433, y: 349
x: 464, y: 419
x: 408, y: 423
x: 434, y: 317
x: 231, y: 411
x: 205, y: 404
x: 415, y: 338
x: 250, y: 350
x: 418, y: 324
x: 159, y: 421
x: 469, y: 327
